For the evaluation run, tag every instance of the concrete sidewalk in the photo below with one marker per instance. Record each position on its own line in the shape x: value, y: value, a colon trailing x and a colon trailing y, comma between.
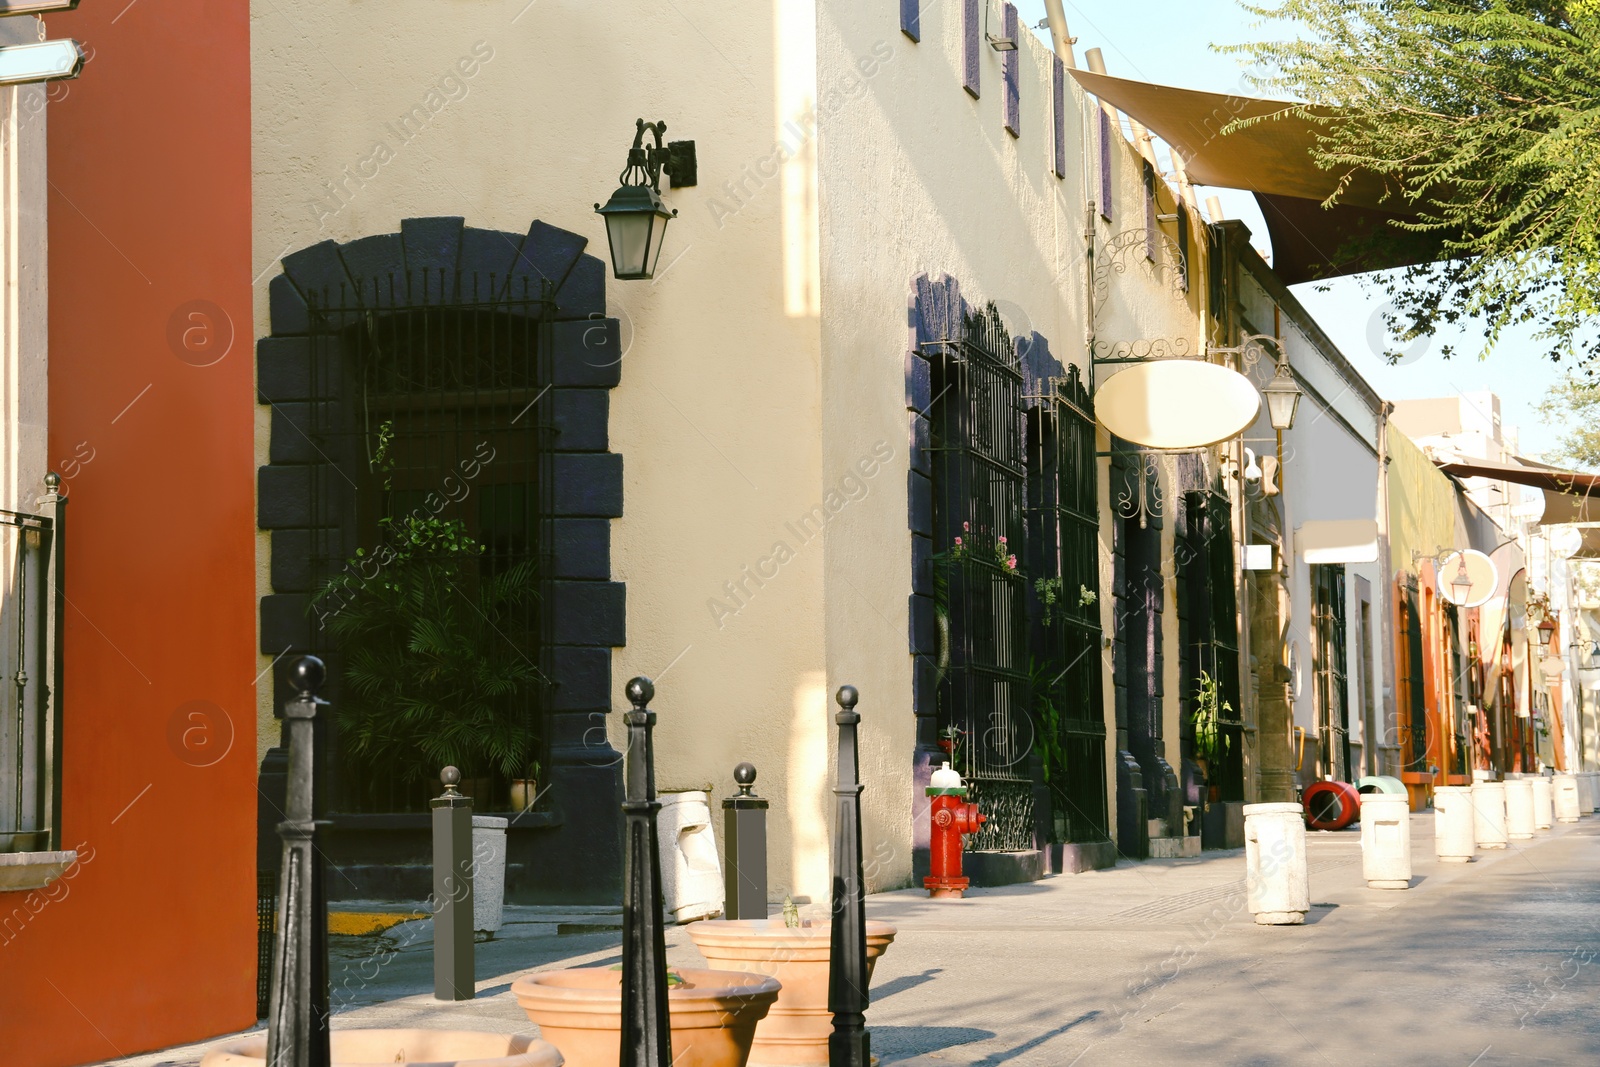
x: 1492, y: 962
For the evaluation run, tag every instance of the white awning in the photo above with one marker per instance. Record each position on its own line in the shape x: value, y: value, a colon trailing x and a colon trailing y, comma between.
x: 1338, y: 540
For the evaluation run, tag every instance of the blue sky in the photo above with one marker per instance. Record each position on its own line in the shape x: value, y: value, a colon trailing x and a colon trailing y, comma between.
x: 1168, y: 42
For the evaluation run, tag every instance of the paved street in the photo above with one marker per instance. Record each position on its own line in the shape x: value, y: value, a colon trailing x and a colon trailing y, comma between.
x: 1493, y: 962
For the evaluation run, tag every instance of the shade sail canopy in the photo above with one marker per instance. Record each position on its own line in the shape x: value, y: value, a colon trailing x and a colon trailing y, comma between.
x: 1273, y: 159
x: 1338, y: 540
x: 1569, y: 496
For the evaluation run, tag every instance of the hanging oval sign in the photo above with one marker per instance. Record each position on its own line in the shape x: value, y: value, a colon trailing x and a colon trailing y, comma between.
x: 1480, y: 572
x: 1177, y: 403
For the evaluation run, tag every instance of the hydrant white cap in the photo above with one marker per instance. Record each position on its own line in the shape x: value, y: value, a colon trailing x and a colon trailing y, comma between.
x: 945, y: 778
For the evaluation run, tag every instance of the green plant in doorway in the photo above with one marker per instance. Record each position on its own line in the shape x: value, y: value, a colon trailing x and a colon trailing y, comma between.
x: 1210, y: 741
x: 435, y: 662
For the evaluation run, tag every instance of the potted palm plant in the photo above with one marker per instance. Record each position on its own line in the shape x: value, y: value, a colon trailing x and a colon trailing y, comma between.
x: 435, y: 670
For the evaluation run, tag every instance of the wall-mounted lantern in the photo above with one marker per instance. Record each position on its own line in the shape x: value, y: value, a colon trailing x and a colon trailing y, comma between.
x: 1547, y: 630
x: 1283, y: 397
x: 636, y: 219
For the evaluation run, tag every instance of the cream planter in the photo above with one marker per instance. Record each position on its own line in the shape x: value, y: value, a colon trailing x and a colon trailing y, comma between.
x: 1519, y: 809
x: 1386, y: 840
x: 1564, y: 787
x: 1543, y: 803
x: 423, y: 1048
x: 1277, y: 888
x: 1454, y: 834
x: 795, y: 1032
x: 713, y: 1014
x: 1489, y: 814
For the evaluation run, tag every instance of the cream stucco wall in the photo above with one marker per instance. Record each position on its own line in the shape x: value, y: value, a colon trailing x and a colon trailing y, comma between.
x: 717, y: 411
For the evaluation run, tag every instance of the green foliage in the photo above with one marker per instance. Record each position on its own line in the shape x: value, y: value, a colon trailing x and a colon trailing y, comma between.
x: 1042, y: 679
x: 433, y: 668
x: 1210, y: 741
x: 1574, y: 404
x: 1483, y: 116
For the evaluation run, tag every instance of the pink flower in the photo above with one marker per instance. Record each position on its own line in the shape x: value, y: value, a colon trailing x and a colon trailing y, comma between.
x: 966, y: 528
x: 1002, y: 540
x: 958, y: 542
x: 1011, y: 561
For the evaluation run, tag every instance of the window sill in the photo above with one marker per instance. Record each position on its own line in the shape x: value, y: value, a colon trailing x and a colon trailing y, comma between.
x: 22, y: 871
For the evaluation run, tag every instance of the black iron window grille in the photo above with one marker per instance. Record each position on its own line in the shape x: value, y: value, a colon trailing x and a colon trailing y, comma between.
x: 979, y: 468
x: 1063, y: 564
x: 1330, y: 670
x: 1213, y: 644
x: 429, y: 534
x: 30, y: 644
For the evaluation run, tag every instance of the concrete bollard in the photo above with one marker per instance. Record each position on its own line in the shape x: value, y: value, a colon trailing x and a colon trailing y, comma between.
x: 1454, y: 833
x: 1587, y: 796
x: 1489, y: 814
x: 1543, y: 803
x: 488, y: 872
x: 1519, y: 809
x: 1564, y: 788
x: 1386, y: 840
x: 691, y: 878
x: 1278, y: 890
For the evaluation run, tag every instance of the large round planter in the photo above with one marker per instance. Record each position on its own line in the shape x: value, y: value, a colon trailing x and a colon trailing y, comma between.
x: 433, y: 1048
x: 795, y: 1032
x: 713, y: 1014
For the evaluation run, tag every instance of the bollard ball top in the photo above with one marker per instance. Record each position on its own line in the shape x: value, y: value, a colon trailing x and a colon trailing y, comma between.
x: 847, y: 696
x: 451, y: 777
x: 640, y: 691
x: 745, y: 774
x: 307, y: 675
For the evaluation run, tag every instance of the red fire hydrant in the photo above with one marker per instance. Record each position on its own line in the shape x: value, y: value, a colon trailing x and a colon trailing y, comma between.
x: 953, y: 818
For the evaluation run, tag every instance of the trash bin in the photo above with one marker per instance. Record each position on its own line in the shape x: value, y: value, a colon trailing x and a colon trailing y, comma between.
x: 1454, y: 834
x: 488, y: 872
x: 1543, y: 802
x: 1386, y: 840
x: 691, y: 876
x: 1276, y: 886
x: 1489, y: 814
x: 1519, y: 809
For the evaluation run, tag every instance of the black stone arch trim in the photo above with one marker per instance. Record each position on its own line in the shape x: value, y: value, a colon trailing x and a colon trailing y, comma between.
x: 442, y: 261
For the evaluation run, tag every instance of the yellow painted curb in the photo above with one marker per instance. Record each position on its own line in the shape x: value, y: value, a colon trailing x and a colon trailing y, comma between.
x: 362, y: 923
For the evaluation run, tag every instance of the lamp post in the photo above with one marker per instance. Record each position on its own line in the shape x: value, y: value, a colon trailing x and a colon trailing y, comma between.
x: 636, y: 219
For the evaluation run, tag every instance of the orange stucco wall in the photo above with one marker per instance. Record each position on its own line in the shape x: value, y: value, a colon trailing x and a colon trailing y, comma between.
x: 153, y: 940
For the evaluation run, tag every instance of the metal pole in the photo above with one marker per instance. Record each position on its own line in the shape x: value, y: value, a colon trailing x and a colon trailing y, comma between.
x: 297, y: 1021
x: 745, y: 830
x: 53, y: 618
x: 646, y: 1039
x: 454, y: 969
x: 848, y: 1045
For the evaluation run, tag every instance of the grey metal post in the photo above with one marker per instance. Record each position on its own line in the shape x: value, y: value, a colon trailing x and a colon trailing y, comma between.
x: 297, y: 1017
x: 848, y: 1045
x: 53, y: 620
x: 646, y: 1039
x: 745, y: 831
x: 454, y: 967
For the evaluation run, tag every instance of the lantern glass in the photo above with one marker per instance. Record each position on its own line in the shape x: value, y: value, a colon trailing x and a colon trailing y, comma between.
x: 1283, y: 396
x: 1546, y: 629
x: 636, y: 222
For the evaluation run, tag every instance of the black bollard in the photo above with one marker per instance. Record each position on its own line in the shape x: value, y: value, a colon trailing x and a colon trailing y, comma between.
x: 454, y: 965
x: 646, y: 1039
x: 745, y: 830
x: 848, y: 1045
x: 297, y: 1016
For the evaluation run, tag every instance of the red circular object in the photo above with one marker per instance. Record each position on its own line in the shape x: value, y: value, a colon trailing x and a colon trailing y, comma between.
x: 1331, y: 805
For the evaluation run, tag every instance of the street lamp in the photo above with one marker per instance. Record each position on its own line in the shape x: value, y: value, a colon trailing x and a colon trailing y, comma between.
x: 636, y: 219
x: 1547, y: 630
x: 1283, y: 396
x: 1461, y: 584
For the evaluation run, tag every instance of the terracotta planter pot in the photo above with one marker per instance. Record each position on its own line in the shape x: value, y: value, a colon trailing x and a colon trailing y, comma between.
x: 524, y: 791
x: 713, y: 1014
x: 436, y: 1048
x: 795, y: 1033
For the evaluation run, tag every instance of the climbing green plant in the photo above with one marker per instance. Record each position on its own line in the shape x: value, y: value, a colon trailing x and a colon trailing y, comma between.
x: 1210, y: 741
